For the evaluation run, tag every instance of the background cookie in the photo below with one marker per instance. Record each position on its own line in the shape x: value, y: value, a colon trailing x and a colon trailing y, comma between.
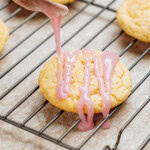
x: 63, y: 1
x: 121, y: 84
x: 4, y: 34
x: 134, y: 18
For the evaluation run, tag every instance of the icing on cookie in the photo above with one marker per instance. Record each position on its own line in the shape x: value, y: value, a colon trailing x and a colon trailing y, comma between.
x: 109, y: 61
x: 64, y: 85
x: 86, y: 121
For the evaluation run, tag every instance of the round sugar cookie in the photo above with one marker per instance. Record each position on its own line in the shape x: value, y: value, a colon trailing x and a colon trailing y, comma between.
x: 134, y: 18
x: 120, y: 89
x: 4, y: 34
x: 63, y: 1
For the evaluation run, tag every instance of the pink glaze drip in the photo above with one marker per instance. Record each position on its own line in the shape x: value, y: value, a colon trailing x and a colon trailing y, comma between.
x: 109, y: 61
x: 55, y: 15
x: 86, y: 121
x: 56, y: 24
x: 64, y: 85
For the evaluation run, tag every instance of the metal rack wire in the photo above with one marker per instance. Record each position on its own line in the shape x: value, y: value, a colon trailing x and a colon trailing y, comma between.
x: 41, y: 132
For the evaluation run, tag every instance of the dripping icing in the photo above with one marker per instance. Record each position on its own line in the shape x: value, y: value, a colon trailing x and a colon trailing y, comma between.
x: 86, y: 121
x: 108, y: 59
x: 56, y: 24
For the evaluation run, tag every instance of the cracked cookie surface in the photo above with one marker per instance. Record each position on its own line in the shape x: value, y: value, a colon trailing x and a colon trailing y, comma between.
x: 134, y: 18
x: 120, y: 90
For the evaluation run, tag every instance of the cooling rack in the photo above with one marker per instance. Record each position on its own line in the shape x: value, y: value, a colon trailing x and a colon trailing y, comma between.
x: 41, y: 133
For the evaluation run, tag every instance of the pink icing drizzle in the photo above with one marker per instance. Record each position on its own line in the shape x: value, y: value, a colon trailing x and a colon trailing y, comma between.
x: 55, y: 18
x: 86, y: 122
x: 109, y: 61
x: 56, y: 24
x: 64, y: 85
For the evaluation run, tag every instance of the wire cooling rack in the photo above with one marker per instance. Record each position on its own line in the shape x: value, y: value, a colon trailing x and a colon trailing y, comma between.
x: 41, y: 133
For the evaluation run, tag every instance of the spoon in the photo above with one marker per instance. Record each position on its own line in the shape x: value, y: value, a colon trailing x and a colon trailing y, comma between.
x: 49, y: 8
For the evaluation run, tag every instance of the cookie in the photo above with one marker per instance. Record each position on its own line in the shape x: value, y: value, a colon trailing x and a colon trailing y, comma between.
x: 120, y: 89
x: 134, y: 18
x: 63, y: 1
x: 4, y: 34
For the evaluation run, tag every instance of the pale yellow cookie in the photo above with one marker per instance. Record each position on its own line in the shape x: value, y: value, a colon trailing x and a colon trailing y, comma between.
x: 121, y: 84
x: 4, y: 34
x: 63, y: 1
x: 134, y: 18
